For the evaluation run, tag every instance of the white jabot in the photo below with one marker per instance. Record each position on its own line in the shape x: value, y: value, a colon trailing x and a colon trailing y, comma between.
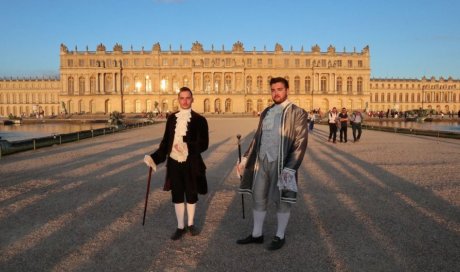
x: 179, y: 151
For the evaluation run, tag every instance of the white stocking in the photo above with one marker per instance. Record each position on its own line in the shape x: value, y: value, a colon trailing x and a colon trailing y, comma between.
x: 258, y: 222
x: 180, y: 210
x: 283, y: 219
x: 190, y: 213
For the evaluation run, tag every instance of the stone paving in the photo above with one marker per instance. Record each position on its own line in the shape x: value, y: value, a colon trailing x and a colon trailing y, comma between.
x: 390, y: 202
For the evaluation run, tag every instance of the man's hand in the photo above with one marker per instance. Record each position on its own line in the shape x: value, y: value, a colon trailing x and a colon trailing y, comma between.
x: 240, y: 166
x: 150, y: 163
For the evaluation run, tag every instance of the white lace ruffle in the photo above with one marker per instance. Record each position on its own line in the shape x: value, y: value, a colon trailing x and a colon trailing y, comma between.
x: 287, y: 180
x: 179, y: 151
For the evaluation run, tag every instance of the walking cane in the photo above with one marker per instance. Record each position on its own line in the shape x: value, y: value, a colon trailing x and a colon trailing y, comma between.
x: 239, y: 161
x: 147, y: 194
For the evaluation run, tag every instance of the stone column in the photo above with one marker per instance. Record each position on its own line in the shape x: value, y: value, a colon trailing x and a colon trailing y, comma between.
x: 103, y: 90
x: 115, y: 82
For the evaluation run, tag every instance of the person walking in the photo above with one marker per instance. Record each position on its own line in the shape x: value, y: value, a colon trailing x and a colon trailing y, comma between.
x: 186, y: 136
x: 269, y: 166
x: 343, y: 119
x: 332, y: 121
x: 356, y: 119
x: 311, y: 121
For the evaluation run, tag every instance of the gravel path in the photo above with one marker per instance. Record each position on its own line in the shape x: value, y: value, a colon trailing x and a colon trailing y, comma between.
x: 390, y: 202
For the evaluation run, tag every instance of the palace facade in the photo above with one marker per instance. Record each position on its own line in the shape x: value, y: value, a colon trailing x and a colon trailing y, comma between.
x: 223, y: 81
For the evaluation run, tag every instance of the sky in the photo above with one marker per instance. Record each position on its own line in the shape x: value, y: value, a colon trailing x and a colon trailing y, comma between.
x: 407, y: 38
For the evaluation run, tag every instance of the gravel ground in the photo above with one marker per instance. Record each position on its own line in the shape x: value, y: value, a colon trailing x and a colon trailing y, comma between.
x: 387, y: 203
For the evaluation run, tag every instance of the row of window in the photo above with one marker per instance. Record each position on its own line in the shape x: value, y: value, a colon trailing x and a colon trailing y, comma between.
x: 27, y: 110
x: 28, y: 85
x: 411, y: 98
x: 33, y: 98
x: 413, y: 86
x: 216, y: 62
x: 256, y: 84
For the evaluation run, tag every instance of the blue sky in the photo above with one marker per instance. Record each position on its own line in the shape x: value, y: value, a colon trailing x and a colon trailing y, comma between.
x: 407, y: 38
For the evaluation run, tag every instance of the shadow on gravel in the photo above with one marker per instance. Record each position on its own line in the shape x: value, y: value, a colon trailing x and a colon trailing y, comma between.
x: 377, y: 220
x: 94, y: 225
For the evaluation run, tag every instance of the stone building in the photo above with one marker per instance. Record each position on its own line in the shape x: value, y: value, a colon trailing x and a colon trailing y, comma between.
x: 26, y: 96
x: 442, y: 95
x: 223, y: 81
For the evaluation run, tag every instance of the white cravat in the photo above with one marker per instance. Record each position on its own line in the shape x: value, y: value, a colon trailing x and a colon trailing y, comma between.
x: 181, y: 152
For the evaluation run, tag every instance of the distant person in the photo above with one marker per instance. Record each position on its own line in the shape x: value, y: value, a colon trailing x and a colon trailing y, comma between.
x: 332, y: 121
x: 356, y: 119
x: 185, y: 138
x: 269, y: 166
x: 311, y: 121
x: 343, y: 119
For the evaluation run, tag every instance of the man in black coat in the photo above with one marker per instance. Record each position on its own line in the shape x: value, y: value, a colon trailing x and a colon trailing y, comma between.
x: 186, y: 136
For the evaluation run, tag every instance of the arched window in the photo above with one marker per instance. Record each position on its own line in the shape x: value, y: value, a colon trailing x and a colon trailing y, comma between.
x: 228, y: 83
x: 249, y: 84
x: 307, y: 84
x: 359, y: 85
x: 148, y: 84
x: 126, y: 83
x: 323, y: 84
x: 217, y: 106
x: 228, y: 105
x: 382, y: 97
x: 259, y: 84
x: 260, y: 105
x: 206, y: 105
x: 70, y: 83
x: 339, y: 85
x: 297, y: 85
x: 349, y: 85
x: 81, y: 85
x: 186, y: 81
x: 400, y: 97
x: 217, y: 83
x: 207, y: 83
x: 164, y: 84
x: 108, y: 86
x: 249, y: 106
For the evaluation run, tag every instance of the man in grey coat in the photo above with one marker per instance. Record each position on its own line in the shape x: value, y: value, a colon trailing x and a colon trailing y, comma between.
x: 269, y: 166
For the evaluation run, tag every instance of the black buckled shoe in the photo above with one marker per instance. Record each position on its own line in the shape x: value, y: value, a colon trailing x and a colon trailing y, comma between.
x: 193, y: 231
x: 276, y: 243
x: 250, y: 239
x: 178, y: 234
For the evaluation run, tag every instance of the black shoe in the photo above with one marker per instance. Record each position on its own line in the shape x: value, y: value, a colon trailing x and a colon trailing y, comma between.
x: 193, y: 231
x: 276, y: 243
x: 250, y: 239
x: 178, y: 234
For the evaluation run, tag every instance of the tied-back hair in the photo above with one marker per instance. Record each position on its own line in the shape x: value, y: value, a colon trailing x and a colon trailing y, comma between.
x: 185, y: 89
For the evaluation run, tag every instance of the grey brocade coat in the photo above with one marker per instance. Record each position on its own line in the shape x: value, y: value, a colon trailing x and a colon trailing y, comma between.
x: 294, y: 139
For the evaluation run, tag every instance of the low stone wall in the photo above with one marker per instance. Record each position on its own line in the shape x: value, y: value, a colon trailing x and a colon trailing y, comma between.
x: 7, y: 147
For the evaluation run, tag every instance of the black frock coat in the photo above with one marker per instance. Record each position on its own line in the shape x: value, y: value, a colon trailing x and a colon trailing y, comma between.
x: 197, y: 140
